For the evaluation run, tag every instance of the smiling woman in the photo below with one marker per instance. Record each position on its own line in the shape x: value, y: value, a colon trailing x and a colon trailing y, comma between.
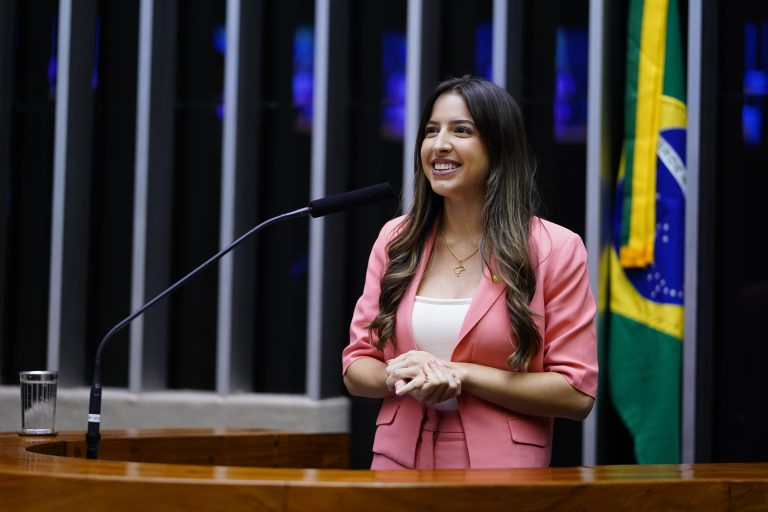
x: 452, y: 153
x: 477, y: 339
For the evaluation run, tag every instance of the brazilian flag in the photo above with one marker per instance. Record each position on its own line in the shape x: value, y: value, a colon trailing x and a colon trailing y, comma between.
x: 646, y: 257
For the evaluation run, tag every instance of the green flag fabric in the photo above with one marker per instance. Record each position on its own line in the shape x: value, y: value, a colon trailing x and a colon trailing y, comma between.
x: 647, y: 253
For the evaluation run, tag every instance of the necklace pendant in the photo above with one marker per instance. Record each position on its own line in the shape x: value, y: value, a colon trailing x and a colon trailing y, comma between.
x: 458, y: 269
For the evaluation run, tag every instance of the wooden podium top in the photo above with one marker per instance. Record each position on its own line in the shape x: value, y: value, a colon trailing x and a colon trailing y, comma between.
x: 218, y: 469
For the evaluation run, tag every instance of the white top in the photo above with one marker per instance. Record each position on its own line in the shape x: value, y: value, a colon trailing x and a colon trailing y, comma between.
x: 436, y: 327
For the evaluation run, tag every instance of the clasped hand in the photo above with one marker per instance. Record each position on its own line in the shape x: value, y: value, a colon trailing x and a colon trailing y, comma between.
x: 423, y: 376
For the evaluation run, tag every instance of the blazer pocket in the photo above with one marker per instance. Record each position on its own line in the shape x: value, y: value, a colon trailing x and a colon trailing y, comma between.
x: 387, y: 412
x: 530, y: 431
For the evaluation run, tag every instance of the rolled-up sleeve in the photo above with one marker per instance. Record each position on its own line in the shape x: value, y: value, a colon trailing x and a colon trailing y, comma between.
x: 367, y: 307
x: 570, y: 338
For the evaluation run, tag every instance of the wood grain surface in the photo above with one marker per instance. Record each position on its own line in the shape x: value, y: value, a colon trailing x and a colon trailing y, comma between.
x: 281, y: 471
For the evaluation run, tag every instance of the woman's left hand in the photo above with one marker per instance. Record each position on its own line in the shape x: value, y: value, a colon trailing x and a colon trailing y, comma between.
x: 424, y: 377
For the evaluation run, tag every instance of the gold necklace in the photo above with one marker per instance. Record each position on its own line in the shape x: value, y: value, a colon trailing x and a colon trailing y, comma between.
x: 459, y: 267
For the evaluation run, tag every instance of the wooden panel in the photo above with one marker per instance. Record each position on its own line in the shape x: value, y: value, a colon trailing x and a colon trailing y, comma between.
x: 229, y: 448
x: 214, y: 470
x: 749, y: 496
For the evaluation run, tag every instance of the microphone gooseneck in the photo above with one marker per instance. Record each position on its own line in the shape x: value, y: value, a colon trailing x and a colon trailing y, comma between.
x: 92, y: 436
x: 316, y: 208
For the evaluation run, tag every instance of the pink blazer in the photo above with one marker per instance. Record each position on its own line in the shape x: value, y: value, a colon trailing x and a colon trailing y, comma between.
x: 496, y: 437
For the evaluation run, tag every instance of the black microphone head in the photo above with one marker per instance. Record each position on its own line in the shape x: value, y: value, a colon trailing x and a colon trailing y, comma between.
x: 339, y: 202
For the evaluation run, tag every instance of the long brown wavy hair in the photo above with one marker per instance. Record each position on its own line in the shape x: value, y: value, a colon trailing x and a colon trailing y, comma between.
x: 511, y: 202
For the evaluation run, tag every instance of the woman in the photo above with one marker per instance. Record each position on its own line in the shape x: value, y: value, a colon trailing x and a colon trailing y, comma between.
x: 476, y: 320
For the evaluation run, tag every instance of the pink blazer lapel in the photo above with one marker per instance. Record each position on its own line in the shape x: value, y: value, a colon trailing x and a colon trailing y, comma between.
x: 486, y: 294
x: 405, y: 314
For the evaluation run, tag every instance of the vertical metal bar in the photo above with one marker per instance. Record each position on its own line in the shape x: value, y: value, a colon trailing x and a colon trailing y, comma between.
x: 228, y: 199
x: 412, y: 95
x: 140, y: 194
x: 59, y: 184
x: 595, y: 200
x: 317, y: 189
x: 692, y: 151
x: 7, y: 23
x: 499, y: 53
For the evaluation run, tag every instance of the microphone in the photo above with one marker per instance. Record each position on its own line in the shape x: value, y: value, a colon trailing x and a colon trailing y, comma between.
x: 339, y: 202
x: 316, y: 208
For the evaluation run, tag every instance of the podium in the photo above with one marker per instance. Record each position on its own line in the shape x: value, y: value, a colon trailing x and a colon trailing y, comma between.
x: 220, y: 469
